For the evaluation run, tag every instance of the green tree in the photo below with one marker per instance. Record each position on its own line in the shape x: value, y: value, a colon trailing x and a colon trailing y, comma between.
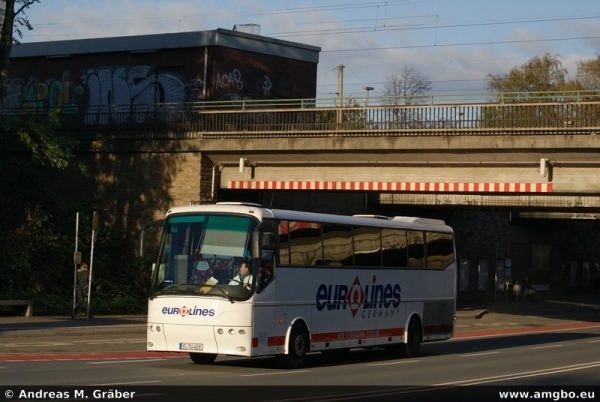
x: 588, y: 74
x: 35, y: 248
x: 541, y: 79
x: 540, y: 74
x: 38, y: 135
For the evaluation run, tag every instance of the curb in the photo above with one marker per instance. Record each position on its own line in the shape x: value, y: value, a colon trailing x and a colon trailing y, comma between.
x: 16, y: 332
x: 474, y: 314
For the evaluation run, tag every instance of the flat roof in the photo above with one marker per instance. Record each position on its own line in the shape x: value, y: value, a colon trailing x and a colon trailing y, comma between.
x: 147, y: 43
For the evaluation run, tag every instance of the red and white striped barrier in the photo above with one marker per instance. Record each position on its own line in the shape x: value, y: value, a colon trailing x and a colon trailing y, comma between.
x: 392, y: 186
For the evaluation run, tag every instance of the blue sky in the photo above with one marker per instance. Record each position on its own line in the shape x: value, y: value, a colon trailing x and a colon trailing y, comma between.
x: 454, y: 43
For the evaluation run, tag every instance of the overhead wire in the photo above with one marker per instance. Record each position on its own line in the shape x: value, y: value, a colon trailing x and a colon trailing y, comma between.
x: 390, y: 24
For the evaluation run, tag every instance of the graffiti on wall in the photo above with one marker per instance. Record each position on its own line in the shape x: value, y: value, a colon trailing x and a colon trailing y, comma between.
x: 108, y: 95
x: 195, y: 90
x: 120, y: 94
x: 105, y: 95
x: 232, y: 82
x: 40, y: 97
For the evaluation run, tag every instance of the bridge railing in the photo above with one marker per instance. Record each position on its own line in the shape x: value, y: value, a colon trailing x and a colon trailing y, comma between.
x: 303, y: 118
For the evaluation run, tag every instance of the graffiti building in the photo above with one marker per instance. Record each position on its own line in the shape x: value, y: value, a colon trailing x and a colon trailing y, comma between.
x: 121, y: 75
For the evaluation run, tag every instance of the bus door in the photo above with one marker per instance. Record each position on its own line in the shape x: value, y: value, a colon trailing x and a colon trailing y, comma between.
x: 267, y: 313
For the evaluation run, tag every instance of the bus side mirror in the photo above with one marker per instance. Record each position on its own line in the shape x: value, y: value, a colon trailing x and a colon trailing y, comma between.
x: 256, y: 236
x: 148, y: 227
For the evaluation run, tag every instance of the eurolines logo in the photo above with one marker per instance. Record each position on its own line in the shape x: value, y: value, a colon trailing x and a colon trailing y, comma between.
x: 184, y: 311
x: 376, y: 300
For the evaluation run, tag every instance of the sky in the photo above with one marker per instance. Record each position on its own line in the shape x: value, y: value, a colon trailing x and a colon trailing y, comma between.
x: 455, y: 44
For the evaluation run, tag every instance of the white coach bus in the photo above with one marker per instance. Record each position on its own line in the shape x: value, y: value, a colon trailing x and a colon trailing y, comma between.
x: 316, y: 282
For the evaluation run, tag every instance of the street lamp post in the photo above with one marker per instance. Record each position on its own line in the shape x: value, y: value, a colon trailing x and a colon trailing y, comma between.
x: 367, y: 98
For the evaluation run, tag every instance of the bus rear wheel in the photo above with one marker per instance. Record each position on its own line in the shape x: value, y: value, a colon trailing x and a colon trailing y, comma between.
x: 203, y: 358
x: 297, y: 349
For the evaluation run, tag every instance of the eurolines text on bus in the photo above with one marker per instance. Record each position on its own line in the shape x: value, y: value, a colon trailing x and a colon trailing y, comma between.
x: 377, y: 300
x: 184, y: 311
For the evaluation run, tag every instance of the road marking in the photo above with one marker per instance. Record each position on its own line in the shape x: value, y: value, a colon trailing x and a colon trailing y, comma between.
x: 479, y: 354
x: 105, y: 343
x: 398, y: 362
x: 126, y: 383
x: 525, y: 374
x: 125, y: 361
x: 278, y: 373
x: 546, y: 347
x: 597, y: 340
x: 98, y: 341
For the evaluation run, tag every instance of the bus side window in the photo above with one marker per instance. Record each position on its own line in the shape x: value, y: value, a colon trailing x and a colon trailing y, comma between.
x: 416, y: 249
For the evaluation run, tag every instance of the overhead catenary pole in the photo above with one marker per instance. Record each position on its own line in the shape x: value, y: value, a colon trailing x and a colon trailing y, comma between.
x: 340, y: 91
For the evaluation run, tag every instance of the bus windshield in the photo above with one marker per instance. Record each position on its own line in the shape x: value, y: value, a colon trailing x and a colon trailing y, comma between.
x: 206, y: 255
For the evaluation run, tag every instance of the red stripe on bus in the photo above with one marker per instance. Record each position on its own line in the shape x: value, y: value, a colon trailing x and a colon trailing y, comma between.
x: 343, y: 335
x: 276, y: 340
x: 358, y: 334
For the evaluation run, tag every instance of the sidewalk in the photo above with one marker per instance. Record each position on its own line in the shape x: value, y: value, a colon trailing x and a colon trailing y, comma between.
x: 50, y: 326
x: 545, y: 306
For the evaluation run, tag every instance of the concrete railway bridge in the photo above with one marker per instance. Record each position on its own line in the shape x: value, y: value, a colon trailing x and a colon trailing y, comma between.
x: 538, y: 157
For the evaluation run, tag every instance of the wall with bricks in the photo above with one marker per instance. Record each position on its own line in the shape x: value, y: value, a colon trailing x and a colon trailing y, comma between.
x: 132, y: 188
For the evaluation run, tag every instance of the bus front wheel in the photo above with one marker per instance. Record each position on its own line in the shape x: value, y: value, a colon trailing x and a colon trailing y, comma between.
x: 413, y: 339
x: 203, y: 358
x: 297, y: 349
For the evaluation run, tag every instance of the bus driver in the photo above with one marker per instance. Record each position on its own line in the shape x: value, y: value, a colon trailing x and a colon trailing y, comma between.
x: 243, y: 278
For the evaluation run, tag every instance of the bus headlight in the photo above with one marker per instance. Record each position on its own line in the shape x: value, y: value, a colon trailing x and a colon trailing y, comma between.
x: 220, y: 331
x: 231, y: 331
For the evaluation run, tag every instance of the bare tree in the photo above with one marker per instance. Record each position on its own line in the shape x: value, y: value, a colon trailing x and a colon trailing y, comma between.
x: 403, y: 88
x: 14, y: 20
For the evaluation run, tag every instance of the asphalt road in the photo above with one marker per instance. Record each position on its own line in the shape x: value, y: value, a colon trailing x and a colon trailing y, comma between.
x: 465, y: 369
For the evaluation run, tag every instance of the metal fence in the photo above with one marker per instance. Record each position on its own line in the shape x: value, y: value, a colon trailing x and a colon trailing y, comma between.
x: 574, y: 113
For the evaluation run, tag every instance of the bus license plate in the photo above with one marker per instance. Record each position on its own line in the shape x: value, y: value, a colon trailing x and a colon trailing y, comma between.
x: 190, y: 346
